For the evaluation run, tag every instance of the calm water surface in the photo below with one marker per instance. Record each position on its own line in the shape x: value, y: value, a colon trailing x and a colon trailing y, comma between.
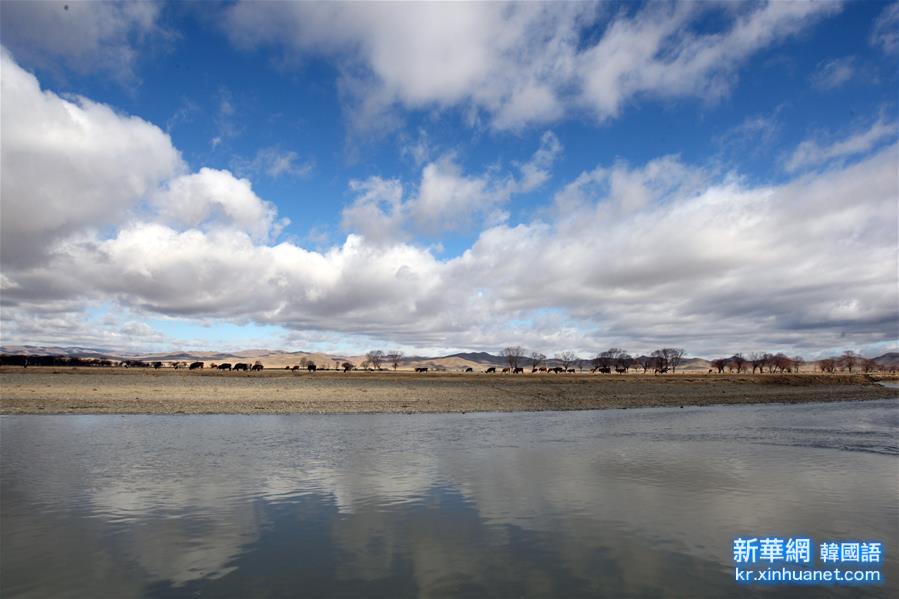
x: 620, y: 503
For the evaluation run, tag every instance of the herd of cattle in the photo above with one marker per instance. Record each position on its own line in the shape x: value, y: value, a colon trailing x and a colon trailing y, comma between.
x: 25, y: 361
x: 419, y: 369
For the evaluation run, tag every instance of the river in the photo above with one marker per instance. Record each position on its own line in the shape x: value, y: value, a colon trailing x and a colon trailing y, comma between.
x: 618, y: 503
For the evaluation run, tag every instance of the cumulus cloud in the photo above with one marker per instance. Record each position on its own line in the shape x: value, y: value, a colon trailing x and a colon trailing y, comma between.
x: 630, y: 255
x: 758, y: 265
x: 811, y: 153
x: 69, y: 164
x: 84, y: 36
x: 377, y: 212
x: 70, y: 325
x: 522, y: 63
x: 213, y: 199
x: 445, y: 199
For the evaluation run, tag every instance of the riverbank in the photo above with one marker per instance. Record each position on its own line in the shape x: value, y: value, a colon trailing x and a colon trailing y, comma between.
x: 130, y: 391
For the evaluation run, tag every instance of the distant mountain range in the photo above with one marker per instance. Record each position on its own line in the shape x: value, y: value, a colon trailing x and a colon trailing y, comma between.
x: 279, y: 359
x: 888, y: 360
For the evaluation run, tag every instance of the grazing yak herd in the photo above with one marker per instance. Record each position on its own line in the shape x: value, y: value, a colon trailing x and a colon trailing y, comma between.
x: 606, y: 363
x: 26, y: 361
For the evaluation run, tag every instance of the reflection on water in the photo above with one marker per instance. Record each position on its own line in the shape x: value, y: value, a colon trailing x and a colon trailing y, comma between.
x: 622, y: 503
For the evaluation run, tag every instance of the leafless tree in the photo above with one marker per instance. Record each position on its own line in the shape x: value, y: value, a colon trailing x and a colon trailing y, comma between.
x: 869, y: 365
x: 537, y: 359
x: 798, y: 361
x: 738, y: 362
x: 661, y: 358
x: 645, y: 362
x: 623, y: 360
x: 375, y: 358
x: 827, y: 365
x: 849, y: 360
x: 347, y: 366
x: 604, y: 359
x: 675, y: 357
x: 513, y: 355
x: 720, y: 364
x: 758, y: 361
x: 566, y: 358
x: 394, y: 357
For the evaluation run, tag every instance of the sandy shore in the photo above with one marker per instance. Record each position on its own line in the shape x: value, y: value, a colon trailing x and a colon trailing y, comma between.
x: 122, y: 391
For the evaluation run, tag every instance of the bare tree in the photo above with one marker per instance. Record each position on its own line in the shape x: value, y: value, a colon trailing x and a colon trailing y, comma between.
x: 645, y: 362
x: 827, y: 365
x: 347, y: 366
x: 738, y: 361
x: 798, y: 361
x: 604, y: 359
x: 566, y: 358
x: 394, y: 357
x: 675, y: 357
x: 781, y: 362
x: 758, y: 361
x: 537, y: 359
x: 614, y: 357
x: 849, y: 360
x: 660, y: 359
x: 513, y: 355
x: 375, y: 358
x: 869, y: 365
x: 623, y: 360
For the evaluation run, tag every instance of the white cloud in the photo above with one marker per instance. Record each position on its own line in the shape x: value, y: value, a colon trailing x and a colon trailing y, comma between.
x: 834, y: 73
x: 713, y: 268
x: 446, y: 199
x: 47, y: 328
x: 811, y: 153
x: 657, y: 53
x: 522, y: 63
x: 659, y: 253
x: 377, y: 212
x: 885, y: 32
x: 212, y: 199
x: 274, y: 162
x: 85, y: 36
x: 536, y: 171
x: 620, y: 190
x: 69, y: 164
x: 419, y: 150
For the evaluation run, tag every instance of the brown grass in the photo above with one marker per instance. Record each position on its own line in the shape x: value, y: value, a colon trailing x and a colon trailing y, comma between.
x: 50, y: 390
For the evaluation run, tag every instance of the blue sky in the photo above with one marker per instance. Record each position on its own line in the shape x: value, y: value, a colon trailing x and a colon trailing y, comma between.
x: 451, y: 177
